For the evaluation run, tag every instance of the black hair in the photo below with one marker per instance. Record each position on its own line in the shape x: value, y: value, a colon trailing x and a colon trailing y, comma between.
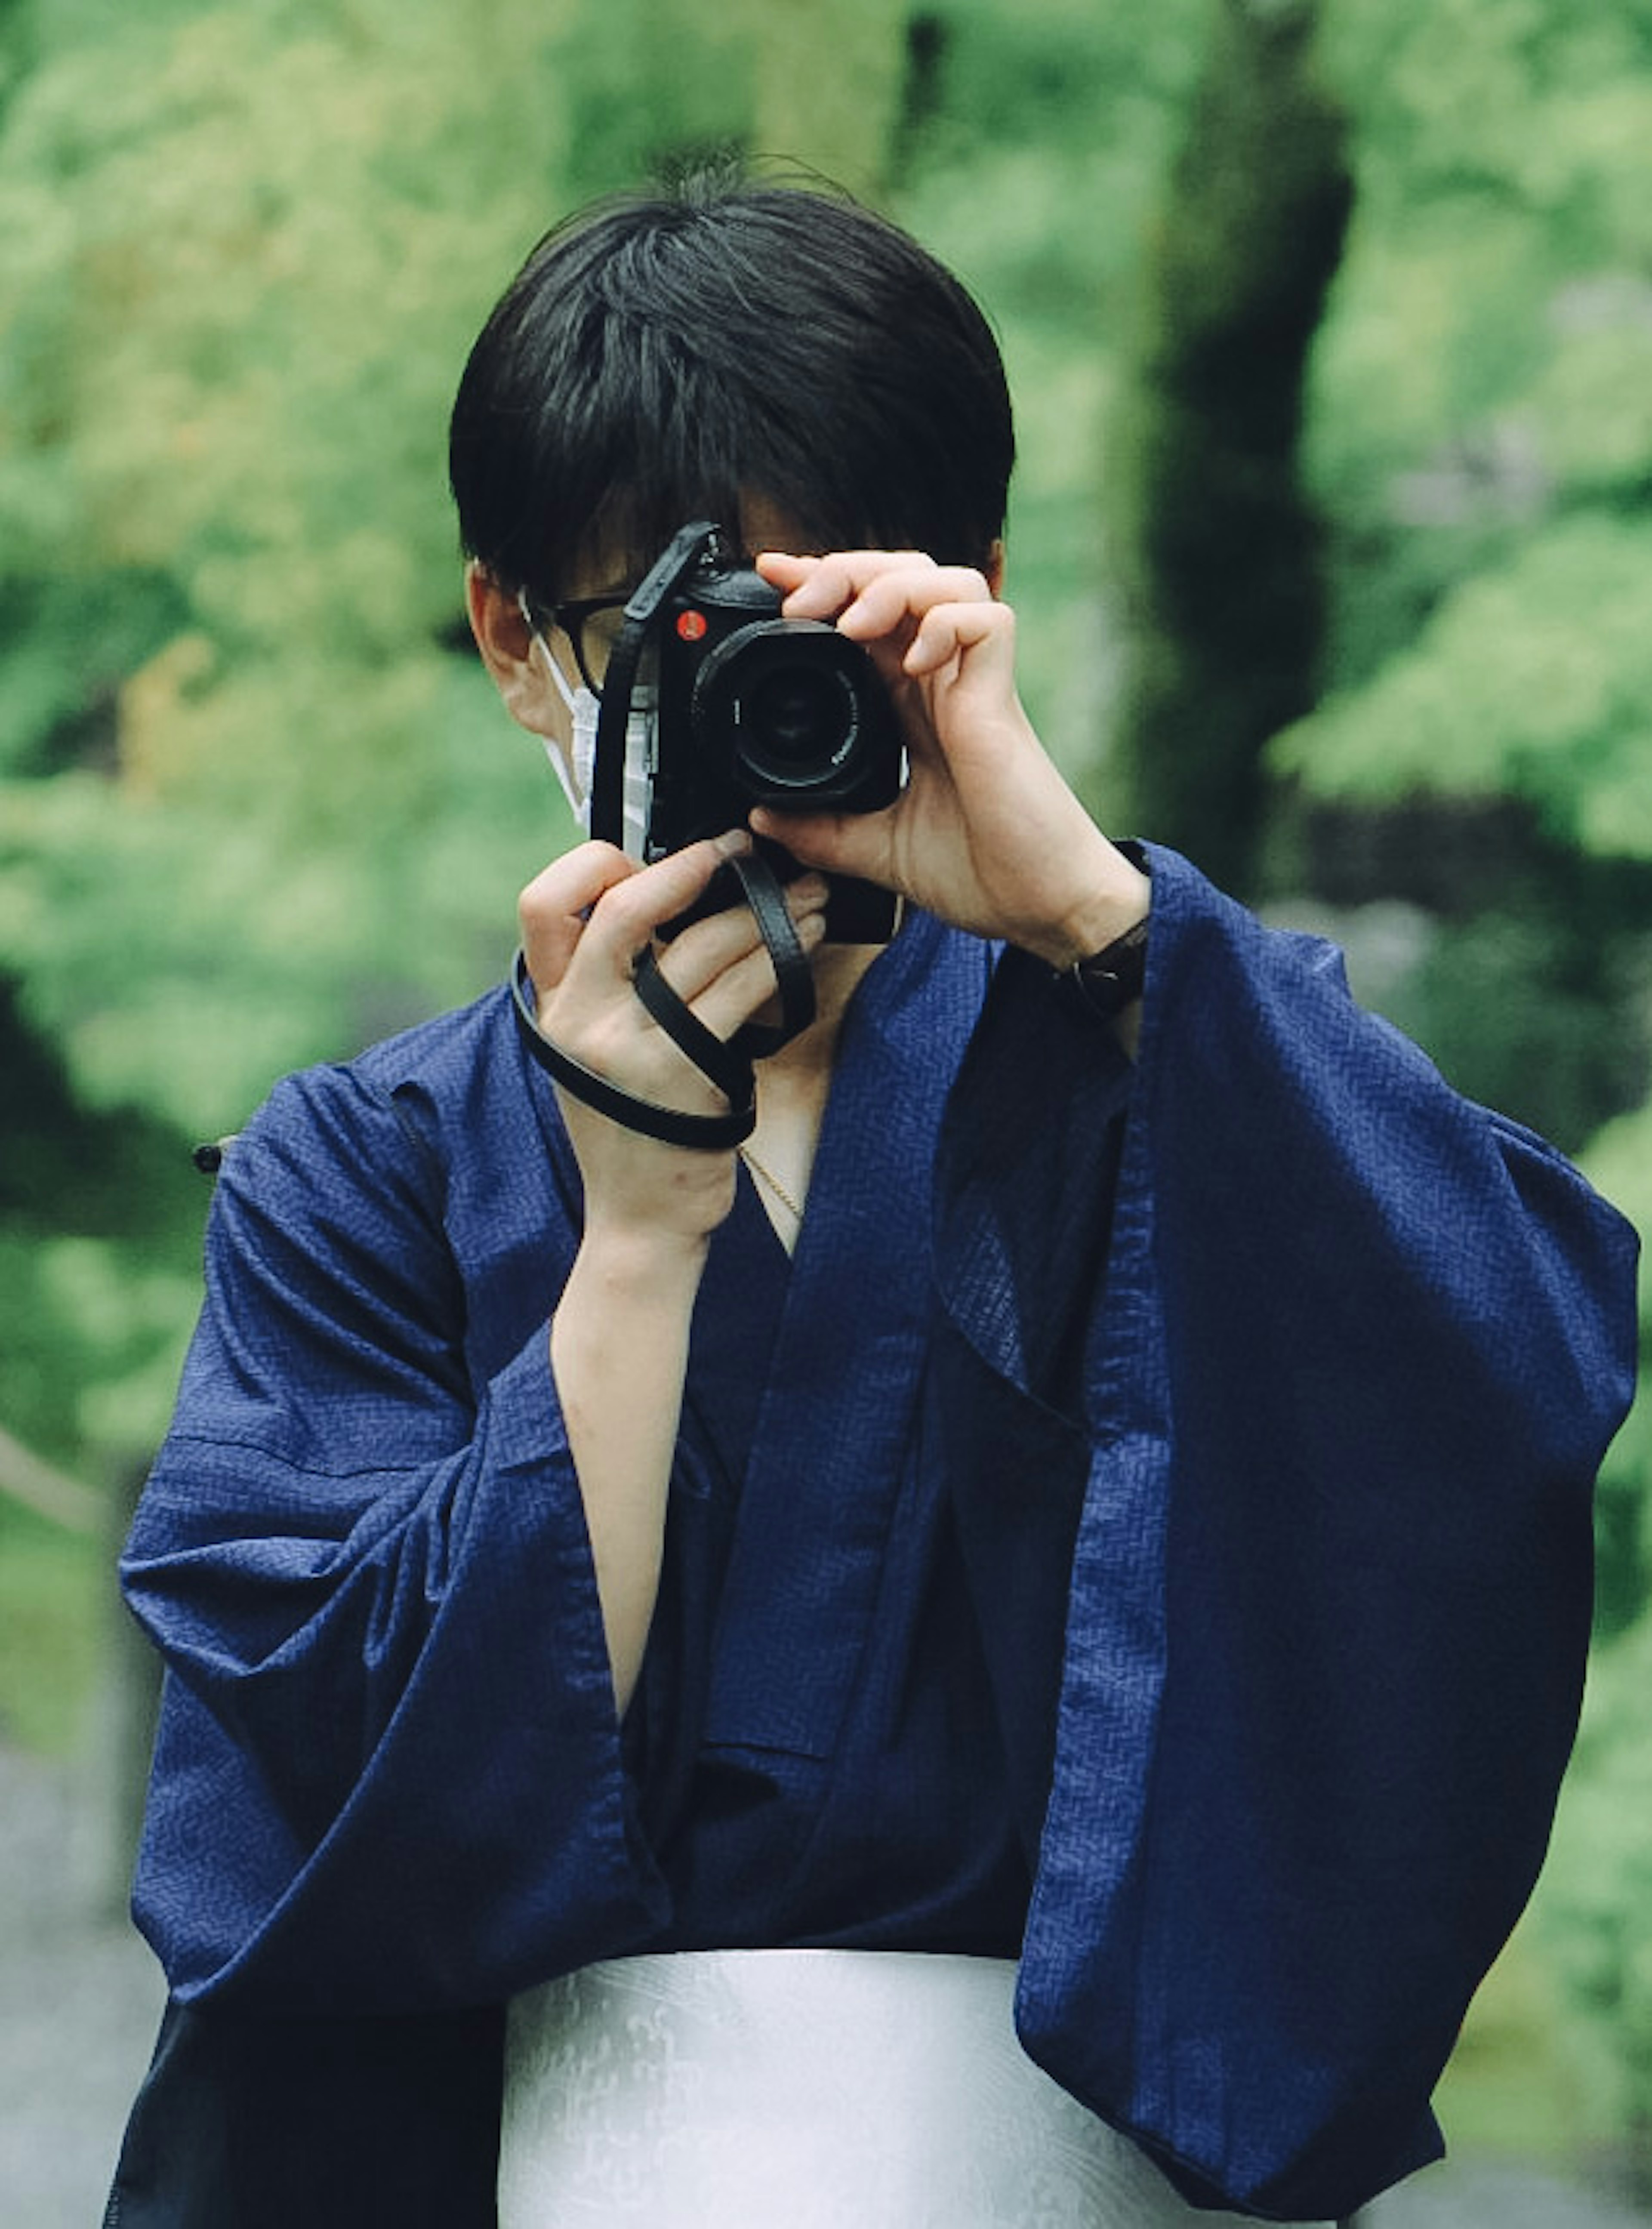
x: 659, y: 355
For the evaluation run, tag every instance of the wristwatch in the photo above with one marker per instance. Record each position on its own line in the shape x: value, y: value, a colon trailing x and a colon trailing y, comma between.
x: 1111, y: 978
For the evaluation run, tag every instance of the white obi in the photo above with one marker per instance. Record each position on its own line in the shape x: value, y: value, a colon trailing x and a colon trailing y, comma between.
x: 802, y: 2090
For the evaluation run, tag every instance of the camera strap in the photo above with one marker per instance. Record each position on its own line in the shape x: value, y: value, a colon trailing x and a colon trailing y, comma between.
x: 675, y: 563
x: 731, y: 1059
x: 725, y: 1062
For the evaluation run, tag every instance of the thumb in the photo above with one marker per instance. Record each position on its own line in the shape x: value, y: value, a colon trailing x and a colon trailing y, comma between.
x: 858, y: 844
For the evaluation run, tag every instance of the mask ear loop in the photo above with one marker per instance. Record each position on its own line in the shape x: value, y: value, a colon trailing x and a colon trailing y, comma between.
x: 570, y: 779
x: 537, y: 633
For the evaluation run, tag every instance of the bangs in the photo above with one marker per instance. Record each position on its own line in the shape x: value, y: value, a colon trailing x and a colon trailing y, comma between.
x: 641, y: 433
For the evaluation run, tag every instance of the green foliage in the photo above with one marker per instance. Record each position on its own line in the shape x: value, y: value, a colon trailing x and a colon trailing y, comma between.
x: 53, y: 1595
x: 1513, y: 2086
x: 653, y: 80
x: 1485, y: 366
x: 1619, y: 1161
x: 1527, y: 1014
x: 1596, y: 1909
x: 1532, y: 678
x: 121, y: 1317
x: 237, y: 306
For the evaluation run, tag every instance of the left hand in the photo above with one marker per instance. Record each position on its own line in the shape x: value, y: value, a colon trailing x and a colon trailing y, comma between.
x: 986, y: 833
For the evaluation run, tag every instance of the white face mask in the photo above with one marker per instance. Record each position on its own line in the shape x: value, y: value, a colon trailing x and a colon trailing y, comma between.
x: 584, y: 710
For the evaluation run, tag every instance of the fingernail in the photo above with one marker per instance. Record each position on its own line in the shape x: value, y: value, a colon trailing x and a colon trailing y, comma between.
x: 728, y: 846
x: 810, y: 889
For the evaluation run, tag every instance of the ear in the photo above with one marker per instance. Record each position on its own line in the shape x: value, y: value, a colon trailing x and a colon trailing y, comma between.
x: 506, y: 640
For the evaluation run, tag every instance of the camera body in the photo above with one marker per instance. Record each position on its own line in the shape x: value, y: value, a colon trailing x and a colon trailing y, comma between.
x: 752, y: 709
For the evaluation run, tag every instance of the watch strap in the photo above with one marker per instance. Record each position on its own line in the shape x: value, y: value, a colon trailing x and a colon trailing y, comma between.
x: 1110, y: 979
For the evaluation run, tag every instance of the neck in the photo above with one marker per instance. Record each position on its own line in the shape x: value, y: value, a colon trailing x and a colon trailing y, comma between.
x: 837, y: 971
x: 792, y: 1088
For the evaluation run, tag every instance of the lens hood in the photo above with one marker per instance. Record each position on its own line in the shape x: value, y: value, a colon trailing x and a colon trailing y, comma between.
x: 787, y: 711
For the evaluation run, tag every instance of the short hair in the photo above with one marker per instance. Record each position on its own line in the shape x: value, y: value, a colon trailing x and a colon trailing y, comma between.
x: 659, y: 355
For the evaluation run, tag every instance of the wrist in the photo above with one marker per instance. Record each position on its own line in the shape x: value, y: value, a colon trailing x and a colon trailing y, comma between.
x: 1117, y: 901
x: 646, y: 1262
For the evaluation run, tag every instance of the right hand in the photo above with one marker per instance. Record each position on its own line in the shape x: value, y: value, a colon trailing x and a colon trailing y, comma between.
x: 584, y: 920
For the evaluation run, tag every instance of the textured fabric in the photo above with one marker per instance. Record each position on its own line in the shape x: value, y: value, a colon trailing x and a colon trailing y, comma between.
x: 802, y: 2090
x: 1254, y: 1432
x: 1362, y: 1346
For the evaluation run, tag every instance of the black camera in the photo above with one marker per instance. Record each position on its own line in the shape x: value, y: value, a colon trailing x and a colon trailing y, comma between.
x: 752, y: 709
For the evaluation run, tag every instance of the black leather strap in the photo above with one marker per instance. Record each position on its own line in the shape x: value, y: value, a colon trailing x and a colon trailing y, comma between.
x: 792, y: 973
x: 672, y: 1125
x: 725, y: 1065
x: 729, y: 1064
x: 1110, y: 981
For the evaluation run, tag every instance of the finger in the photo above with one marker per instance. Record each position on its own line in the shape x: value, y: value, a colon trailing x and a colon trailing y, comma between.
x: 739, y: 992
x: 629, y: 912
x: 950, y: 630
x: 832, y: 583
x: 901, y: 595
x: 552, y: 909
x: 782, y: 570
x: 702, y: 952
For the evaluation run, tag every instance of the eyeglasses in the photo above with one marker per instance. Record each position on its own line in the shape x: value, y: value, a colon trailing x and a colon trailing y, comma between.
x: 592, y: 624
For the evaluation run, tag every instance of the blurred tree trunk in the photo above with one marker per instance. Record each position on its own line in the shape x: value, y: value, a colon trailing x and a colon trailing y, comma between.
x: 1216, y: 545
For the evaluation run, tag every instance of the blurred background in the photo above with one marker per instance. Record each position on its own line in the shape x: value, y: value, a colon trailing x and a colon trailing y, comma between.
x: 1330, y: 324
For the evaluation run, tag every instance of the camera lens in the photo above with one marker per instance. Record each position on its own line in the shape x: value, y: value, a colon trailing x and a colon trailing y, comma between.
x: 790, y: 712
x: 780, y: 706
x: 797, y: 724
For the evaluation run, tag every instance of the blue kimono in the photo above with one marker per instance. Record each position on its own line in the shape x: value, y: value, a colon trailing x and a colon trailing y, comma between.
x: 1146, y: 1529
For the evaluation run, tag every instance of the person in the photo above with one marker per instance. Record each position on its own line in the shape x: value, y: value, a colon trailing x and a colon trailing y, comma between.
x: 1080, y: 1519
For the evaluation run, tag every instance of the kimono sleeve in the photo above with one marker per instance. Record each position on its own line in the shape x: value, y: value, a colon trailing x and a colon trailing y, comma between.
x: 387, y: 1775
x: 1352, y: 1350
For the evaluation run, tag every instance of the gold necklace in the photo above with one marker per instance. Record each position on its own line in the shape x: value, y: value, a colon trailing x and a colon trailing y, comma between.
x: 772, y: 1181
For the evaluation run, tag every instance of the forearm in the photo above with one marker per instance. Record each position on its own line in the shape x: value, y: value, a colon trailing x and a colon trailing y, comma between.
x: 619, y: 1350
